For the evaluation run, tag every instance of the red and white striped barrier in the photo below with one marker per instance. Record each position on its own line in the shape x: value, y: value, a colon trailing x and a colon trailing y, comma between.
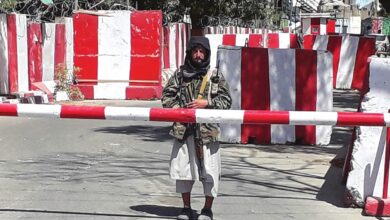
x: 176, y: 36
x: 119, y: 53
x: 380, y: 206
x: 368, y: 150
x: 13, y: 53
x: 350, y: 55
x: 196, y: 115
x: 30, y: 52
x: 318, y: 26
x: 69, y: 50
x: 47, y: 48
x: 271, y: 40
x: 230, y: 30
x: 277, y: 79
x: 115, y: 62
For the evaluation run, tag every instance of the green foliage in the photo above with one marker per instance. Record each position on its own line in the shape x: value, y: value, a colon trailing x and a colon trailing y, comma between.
x: 65, y: 82
x: 8, y: 5
x: 260, y: 11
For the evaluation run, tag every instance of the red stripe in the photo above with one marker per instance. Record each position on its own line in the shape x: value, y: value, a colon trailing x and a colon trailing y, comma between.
x: 85, y: 112
x: 255, y: 92
x: 87, y: 91
x: 86, y: 45
x: 255, y: 40
x: 146, y: 30
x: 331, y: 26
x: 34, y: 34
x: 308, y: 41
x: 266, y: 117
x: 229, y: 40
x: 366, y: 48
x: 315, y: 26
x: 357, y: 119
x: 12, y: 53
x: 294, y: 41
x: 386, y: 170
x: 273, y: 40
x: 306, y: 92
x: 178, y: 115
x: 8, y: 110
x: 166, y: 47
x: 60, y: 46
x: 334, y: 46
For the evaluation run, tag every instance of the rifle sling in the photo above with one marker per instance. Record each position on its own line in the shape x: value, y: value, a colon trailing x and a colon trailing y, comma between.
x: 204, y: 82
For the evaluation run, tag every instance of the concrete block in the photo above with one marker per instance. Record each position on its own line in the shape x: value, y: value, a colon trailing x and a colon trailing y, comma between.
x: 376, y: 206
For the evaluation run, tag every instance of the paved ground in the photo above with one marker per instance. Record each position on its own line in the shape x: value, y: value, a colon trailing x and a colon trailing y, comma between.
x: 95, y: 169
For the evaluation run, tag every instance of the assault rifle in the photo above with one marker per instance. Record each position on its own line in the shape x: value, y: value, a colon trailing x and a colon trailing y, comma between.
x: 186, y: 96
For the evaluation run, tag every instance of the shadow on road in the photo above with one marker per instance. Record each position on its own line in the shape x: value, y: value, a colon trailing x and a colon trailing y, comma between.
x: 162, y: 211
x: 333, y: 190
x: 147, y: 132
x: 79, y: 213
x: 103, y: 167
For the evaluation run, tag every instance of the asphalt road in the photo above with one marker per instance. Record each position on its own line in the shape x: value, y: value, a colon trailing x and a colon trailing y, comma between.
x: 96, y: 169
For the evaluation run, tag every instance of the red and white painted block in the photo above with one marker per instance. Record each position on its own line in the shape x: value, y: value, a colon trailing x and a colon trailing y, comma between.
x: 47, y: 49
x: 53, y: 49
x: 230, y: 30
x: 213, y: 30
x: 350, y: 55
x: 176, y: 36
x: 318, y: 26
x: 366, y: 177
x: 119, y: 54
x: 281, y: 40
x: 241, y: 30
x: 69, y: 52
x: 258, y: 81
x: 13, y: 53
x: 270, y: 40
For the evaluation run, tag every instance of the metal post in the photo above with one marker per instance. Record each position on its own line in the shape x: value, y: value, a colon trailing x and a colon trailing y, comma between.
x: 342, y: 25
x: 295, y: 23
x: 76, y: 5
x: 290, y: 23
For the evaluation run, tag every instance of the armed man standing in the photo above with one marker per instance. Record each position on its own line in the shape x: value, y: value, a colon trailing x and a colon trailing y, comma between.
x: 195, y: 153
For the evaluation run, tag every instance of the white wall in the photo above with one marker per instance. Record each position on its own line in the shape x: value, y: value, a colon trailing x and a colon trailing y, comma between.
x: 355, y: 25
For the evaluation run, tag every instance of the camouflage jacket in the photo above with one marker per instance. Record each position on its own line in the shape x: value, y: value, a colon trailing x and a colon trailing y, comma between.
x: 178, y: 92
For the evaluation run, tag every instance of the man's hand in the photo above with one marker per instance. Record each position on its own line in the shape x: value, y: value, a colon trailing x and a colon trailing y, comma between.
x: 198, y: 103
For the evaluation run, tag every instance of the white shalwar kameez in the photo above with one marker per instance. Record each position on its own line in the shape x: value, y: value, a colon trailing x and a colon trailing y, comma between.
x: 184, y: 166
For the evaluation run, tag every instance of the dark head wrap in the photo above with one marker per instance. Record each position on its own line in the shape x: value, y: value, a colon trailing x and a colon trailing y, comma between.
x: 191, y: 68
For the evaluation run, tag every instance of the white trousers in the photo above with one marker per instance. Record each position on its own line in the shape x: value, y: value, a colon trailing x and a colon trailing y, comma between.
x: 184, y: 166
x: 184, y: 186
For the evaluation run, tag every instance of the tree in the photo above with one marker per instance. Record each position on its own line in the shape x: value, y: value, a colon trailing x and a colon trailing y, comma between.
x: 260, y: 12
x: 385, y: 4
x: 245, y: 10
